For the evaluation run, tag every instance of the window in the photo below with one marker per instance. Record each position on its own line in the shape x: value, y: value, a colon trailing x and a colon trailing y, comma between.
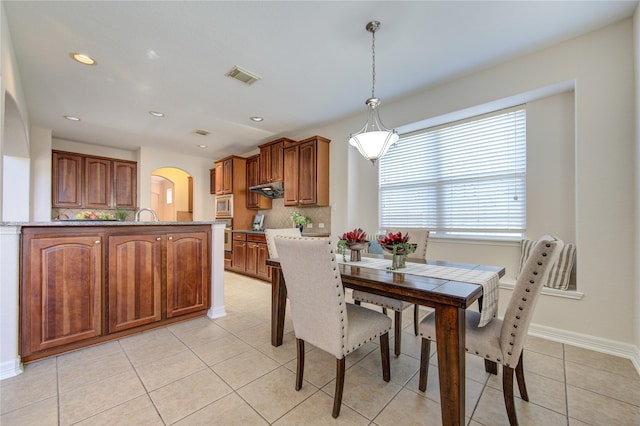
x: 462, y: 179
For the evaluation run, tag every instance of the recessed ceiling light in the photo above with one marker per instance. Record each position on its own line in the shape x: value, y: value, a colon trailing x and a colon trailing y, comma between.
x: 156, y: 113
x: 257, y: 119
x: 201, y: 132
x: 202, y: 146
x: 83, y: 59
x: 71, y: 118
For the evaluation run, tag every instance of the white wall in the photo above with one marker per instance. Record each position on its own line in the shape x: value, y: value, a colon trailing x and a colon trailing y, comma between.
x: 601, y: 65
x: 636, y: 51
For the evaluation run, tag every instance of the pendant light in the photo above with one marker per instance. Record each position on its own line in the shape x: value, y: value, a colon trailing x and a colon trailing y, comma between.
x: 373, y: 140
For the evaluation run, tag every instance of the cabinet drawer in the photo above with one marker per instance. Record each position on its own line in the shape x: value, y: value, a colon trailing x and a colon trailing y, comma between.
x: 237, y: 236
x: 258, y: 238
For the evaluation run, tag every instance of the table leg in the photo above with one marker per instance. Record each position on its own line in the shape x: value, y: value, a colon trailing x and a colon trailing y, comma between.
x: 450, y: 337
x: 278, y: 306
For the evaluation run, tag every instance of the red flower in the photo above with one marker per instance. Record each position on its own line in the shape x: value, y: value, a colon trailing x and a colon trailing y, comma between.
x: 355, y: 236
x: 392, y: 238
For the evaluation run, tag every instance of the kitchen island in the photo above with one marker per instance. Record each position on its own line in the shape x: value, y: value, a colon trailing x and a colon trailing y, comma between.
x: 79, y: 283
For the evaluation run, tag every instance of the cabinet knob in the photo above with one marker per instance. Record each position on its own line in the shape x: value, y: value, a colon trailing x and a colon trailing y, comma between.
x: 158, y: 238
x: 97, y: 241
x: 170, y: 238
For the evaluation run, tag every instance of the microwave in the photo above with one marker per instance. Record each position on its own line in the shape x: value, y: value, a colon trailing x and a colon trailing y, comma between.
x: 224, y: 206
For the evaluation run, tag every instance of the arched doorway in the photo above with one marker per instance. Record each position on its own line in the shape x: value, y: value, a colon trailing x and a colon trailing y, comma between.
x: 172, y: 194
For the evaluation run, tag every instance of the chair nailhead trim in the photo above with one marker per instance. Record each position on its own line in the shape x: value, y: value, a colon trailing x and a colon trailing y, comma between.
x: 520, y: 308
x: 528, y: 290
x: 509, y: 353
x: 517, y: 317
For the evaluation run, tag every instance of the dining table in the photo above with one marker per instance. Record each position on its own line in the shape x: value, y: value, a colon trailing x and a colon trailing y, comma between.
x: 449, y: 298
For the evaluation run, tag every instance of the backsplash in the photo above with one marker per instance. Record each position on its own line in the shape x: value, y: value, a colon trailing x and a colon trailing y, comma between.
x: 279, y: 216
x: 64, y: 213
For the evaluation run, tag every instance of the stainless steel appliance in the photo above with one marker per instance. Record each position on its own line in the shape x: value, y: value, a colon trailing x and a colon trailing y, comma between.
x: 228, y: 225
x: 224, y: 207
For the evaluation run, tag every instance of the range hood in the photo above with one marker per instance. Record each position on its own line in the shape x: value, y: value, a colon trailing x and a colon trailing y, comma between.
x: 269, y: 190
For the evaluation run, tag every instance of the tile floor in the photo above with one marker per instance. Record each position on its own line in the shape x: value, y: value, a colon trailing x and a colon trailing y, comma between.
x: 204, y: 372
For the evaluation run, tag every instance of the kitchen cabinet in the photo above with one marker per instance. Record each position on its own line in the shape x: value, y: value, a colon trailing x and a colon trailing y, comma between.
x: 212, y: 181
x: 61, y: 288
x: 84, y: 181
x: 66, y: 180
x: 272, y: 160
x: 306, y: 173
x: 250, y: 255
x: 135, y: 278
x: 231, y: 179
x: 154, y: 275
x: 187, y: 273
x: 254, y: 200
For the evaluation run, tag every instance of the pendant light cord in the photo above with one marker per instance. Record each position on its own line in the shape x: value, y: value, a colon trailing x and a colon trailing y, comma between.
x: 373, y: 63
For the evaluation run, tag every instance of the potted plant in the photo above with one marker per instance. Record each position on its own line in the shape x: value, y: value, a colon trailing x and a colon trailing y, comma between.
x: 300, y: 220
x: 355, y: 241
x: 399, y: 246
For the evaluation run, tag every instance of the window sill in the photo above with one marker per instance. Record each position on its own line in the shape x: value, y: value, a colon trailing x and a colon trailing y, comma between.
x: 509, y: 284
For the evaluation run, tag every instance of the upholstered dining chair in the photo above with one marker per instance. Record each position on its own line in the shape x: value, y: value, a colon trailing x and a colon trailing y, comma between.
x: 502, y: 341
x: 270, y: 234
x: 420, y: 237
x: 319, y: 312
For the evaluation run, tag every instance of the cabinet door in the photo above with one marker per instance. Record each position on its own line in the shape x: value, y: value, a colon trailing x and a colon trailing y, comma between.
x: 97, y: 183
x: 187, y: 273
x: 61, y: 290
x: 125, y: 184
x: 239, y: 256
x: 291, y: 176
x: 277, y: 162
x: 252, y: 259
x: 135, y: 278
x: 307, y: 183
x: 66, y: 185
x: 212, y: 181
x: 265, y: 164
x: 227, y: 176
x: 253, y: 198
x: 263, y: 271
x: 219, y: 170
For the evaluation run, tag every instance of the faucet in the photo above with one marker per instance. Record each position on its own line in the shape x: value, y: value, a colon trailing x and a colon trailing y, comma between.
x: 153, y: 213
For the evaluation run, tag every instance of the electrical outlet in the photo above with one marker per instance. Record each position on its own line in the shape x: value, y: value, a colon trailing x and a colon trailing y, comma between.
x: 310, y: 225
x: 321, y: 225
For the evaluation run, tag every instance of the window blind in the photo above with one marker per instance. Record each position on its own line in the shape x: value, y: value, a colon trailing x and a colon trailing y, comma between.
x: 465, y: 178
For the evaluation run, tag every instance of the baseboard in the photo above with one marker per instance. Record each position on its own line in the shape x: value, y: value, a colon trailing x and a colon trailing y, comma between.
x: 586, y: 341
x: 10, y: 368
x: 218, y: 312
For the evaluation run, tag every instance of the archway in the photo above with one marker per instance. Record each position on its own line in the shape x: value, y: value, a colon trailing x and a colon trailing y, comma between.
x: 172, y: 194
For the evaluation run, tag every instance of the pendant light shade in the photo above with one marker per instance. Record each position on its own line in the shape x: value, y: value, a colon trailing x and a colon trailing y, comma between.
x: 373, y: 140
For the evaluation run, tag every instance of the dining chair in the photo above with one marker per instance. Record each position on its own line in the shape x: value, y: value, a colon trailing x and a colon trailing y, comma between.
x: 420, y: 237
x: 319, y: 312
x: 502, y: 341
x: 271, y: 233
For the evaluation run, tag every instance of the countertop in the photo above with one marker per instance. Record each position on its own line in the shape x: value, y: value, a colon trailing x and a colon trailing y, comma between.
x: 304, y: 234
x: 105, y: 223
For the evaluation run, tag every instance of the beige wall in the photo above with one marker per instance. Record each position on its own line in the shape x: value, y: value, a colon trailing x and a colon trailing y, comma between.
x: 636, y: 56
x: 600, y: 65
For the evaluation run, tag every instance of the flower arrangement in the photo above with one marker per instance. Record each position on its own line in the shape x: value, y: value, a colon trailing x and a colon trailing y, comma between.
x: 90, y: 215
x: 355, y: 241
x: 300, y: 220
x: 399, y: 245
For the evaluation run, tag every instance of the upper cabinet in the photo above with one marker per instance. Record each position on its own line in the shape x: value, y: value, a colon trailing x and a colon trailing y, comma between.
x: 255, y: 200
x: 306, y: 172
x: 272, y: 160
x: 84, y: 181
x: 229, y: 175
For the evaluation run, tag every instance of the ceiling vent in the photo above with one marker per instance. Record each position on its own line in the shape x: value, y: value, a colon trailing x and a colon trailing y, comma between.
x: 243, y: 75
x: 201, y: 132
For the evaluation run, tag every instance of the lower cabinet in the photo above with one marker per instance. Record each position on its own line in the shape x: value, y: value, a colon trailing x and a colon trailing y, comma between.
x: 250, y: 255
x: 153, y: 275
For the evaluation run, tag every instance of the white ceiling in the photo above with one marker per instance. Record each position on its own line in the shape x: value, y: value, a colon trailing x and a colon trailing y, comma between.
x: 314, y: 58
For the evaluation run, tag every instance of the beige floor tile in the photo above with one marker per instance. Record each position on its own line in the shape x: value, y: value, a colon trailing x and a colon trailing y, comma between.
x: 474, y: 366
x: 319, y: 367
x: 220, y: 350
x: 316, y: 411
x: 238, y: 321
x: 364, y: 391
x: 472, y: 393
x: 596, y: 409
x: 151, y: 346
x: 197, y: 332
x: 90, y: 354
x: 601, y: 361
x: 92, y: 370
x: 604, y: 383
x: 491, y: 411
x: 542, y: 390
x: 167, y: 370
x: 138, y: 411
x: 283, y: 353
x: 258, y: 335
x: 244, y: 368
x: 544, y: 346
x: 81, y: 403
x: 576, y: 422
x: 41, y: 413
x: 402, y: 367
x: 188, y: 395
x: 229, y: 411
x: 409, y: 408
x: 259, y: 393
x: 38, y: 382
x: 543, y: 365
